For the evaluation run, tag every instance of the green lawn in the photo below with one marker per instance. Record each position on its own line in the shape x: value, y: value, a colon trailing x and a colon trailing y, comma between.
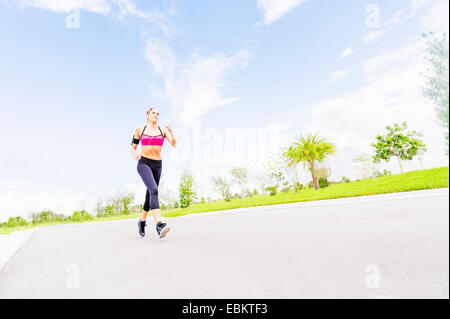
x: 410, y: 181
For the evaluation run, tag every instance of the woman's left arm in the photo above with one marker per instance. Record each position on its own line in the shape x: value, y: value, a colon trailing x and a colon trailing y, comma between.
x: 168, y: 133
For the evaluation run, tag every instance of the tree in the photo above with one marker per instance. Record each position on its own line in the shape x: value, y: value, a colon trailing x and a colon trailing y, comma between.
x: 289, y: 169
x: 262, y: 180
x: 222, y: 186
x: 310, y: 150
x: 165, y: 196
x: 436, y: 88
x: 396, y: 143
x: 274, y: 170
x: 324, y: 172
x: 240, y: 175
x: 186, y: 189
x: 364, y: 166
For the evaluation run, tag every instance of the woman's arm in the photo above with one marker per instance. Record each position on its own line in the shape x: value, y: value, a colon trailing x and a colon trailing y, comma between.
x: 168, y: 133
x: 134, y: 146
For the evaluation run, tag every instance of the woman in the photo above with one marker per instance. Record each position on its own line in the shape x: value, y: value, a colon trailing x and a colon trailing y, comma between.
x: 150, y: 165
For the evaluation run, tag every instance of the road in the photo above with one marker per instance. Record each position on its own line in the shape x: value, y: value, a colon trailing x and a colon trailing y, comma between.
x: 382, y: 246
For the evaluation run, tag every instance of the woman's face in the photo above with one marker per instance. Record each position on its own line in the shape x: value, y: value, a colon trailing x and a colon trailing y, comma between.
x: 153, y: 115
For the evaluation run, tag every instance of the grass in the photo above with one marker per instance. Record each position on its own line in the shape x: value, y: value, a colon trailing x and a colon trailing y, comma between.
x: 410, y: 181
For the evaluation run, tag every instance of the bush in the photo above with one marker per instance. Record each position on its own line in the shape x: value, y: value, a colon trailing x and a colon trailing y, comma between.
x: 43, y: 217
x: 297, y: 187
x: 81, y: 216
x: 186, y: 190
x: 126, y: 200
x: 227, y: 197
x: 345, y: 179
x: 60, y: 218
x: 323, y: 182
x: 16, y: 221
x: 385, y: 172
x: 248, y: 193
x: 272, y: 190
x: 11, y: 222
x: 286, y: 187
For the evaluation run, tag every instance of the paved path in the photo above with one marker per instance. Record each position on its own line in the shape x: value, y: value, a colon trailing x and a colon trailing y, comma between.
x: 383, y: 246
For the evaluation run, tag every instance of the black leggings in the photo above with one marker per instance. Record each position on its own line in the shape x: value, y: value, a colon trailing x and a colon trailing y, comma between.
x: 150, y: 171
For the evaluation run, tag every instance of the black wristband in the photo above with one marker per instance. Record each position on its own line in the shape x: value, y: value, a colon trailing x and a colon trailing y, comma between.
x: 134, y: 141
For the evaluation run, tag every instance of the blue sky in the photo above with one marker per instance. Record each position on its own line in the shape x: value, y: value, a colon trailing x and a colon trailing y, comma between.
x: 70, y: 98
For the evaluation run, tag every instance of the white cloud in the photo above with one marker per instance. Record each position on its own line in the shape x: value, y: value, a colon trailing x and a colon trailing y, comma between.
x: 152, y: 16
x: 381, y: 61
x: 120, y: 9
x: 392, y: 94
x: 276, y: 127
x: 436, y: 19
x: 399, y: 17
x: 373, y: 35
x: 339, y: 75
x: 195, y: 85
x: 275, y: 9
x: 346, y: 52
x: 97, y: 6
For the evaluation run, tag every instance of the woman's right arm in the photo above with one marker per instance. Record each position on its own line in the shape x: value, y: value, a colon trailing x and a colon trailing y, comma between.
x: 134, y: 145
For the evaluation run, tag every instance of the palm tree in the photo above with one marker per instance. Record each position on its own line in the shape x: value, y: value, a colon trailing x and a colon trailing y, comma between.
x: 309, y: 150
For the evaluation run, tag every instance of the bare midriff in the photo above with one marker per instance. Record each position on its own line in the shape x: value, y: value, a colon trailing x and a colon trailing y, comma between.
x: 151, y: 151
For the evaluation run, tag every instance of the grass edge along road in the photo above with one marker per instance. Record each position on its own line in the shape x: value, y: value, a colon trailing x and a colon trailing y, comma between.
x: 409, y: 181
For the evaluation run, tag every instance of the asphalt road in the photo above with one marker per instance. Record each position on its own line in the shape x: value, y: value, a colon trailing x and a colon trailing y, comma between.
x: 383, y: 246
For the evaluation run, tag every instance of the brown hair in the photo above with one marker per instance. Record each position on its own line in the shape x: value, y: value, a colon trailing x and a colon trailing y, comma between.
x: 153, y: 107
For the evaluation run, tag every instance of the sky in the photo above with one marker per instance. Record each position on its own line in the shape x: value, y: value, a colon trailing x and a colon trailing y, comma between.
x: 237, y: 80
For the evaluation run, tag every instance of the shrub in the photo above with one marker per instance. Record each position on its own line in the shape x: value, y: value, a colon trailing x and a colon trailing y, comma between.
x: 61, y: 218
x: 43, y: 217
x: 385, y: 172
x: 186, y: 190
x: 297, y: 187
x: 11, y: 222
x: 81, y: 216
x: 323, y: 182
x: 345, y: 179
x: 285, y: 187
x: 16, y: 221
x: 126, y: 200
x: 272, y: 190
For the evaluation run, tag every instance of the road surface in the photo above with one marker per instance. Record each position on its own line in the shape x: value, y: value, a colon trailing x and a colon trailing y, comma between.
x: 382, y: 246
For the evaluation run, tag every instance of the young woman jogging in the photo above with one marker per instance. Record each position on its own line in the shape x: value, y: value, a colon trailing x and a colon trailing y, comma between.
x: 149, y: 166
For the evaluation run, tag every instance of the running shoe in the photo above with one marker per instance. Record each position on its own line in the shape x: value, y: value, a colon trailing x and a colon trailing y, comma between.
x: 141, y: 227
x: 162, y: 229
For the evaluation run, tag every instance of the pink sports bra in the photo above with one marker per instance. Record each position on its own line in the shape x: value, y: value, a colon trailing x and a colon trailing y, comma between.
x: 152, y: 140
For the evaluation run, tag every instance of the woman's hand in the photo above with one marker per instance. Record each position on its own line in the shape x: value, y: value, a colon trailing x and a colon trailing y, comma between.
x: 137, y: 157
x: 169, y: 127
